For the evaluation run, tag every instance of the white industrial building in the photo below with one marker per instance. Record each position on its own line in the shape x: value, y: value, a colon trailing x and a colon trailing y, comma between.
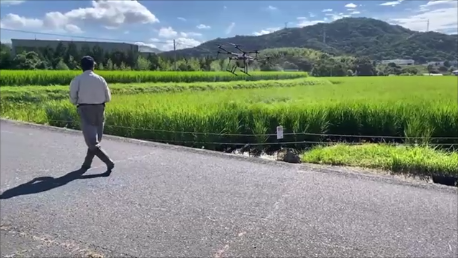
x: 399, y: 61
x: 453, y: 63
x: 18, y: 45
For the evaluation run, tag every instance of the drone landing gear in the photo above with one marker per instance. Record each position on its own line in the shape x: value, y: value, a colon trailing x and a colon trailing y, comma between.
x: 232, y: 70
x: 244, y: 70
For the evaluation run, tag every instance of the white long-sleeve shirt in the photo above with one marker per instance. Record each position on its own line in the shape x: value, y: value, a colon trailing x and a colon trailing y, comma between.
x: 89, y: 88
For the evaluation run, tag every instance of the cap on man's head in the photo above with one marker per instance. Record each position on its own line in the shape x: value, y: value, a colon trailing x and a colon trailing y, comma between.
x: 87, y: 62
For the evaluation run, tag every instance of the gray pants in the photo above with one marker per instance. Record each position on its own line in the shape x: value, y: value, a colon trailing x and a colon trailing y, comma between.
x: 92, y: 124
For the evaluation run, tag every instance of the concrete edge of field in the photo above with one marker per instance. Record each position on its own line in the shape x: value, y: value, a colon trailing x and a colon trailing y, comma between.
x: 346, y: 171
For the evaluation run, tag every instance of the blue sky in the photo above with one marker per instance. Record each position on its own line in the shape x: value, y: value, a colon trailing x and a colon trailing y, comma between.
x: 157, y: 23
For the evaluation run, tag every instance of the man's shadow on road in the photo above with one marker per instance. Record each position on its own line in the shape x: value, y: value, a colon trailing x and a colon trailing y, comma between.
x: 46, y: 183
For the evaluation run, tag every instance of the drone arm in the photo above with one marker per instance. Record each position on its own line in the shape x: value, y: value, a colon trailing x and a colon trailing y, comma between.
x: 239, y: 49
x: 224, y: 50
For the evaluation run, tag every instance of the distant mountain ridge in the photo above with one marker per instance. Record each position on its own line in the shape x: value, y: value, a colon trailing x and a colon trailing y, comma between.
x: 369, y: 37
x: 148, y: 49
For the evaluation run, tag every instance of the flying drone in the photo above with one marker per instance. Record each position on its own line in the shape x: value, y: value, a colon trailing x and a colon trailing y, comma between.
x: 242, y: 60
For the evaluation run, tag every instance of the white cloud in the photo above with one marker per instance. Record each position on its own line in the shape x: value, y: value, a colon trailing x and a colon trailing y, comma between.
x: 73, y: 28
x: 181, y: 43
x: 190, y: 34
x: 11, y: 2
x: 187, y: 43
x: 392, y: 3
x: 167, y: 45
x: 167, y: 32
x: 143, y: 44
x: 272, y: 8
x: 225, y: 7
x: 311, y: 15
x: 434, y: 3
x: 14, y: 21
x: 265, y: 31
x: 304, y: 21
x: 335, y: 16
x: 203, y: 27
x: 113, y: 13
x: 442, y: 17
x: 230, y: 28
x: 110, y: 14
x: 181, y: 19
x: 327, y: 10
x: 350, y: 5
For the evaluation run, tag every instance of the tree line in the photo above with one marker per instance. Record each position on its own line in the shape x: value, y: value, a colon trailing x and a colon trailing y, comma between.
x: 67, y: 57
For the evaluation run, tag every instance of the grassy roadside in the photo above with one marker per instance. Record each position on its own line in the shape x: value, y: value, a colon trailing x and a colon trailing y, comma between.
x: 407, y: 160
x: 40, y: 93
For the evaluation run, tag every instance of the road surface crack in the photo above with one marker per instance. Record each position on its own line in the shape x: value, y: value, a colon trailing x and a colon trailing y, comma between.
x: 71, y: 245
x: 275, y: 207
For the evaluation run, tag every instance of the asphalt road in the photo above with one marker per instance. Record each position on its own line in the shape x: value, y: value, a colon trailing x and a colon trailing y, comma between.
x: 170, y: 201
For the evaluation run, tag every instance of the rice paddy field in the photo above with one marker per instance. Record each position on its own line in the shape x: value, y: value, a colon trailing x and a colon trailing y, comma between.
x: 57, y: 77
x: 218, y: 111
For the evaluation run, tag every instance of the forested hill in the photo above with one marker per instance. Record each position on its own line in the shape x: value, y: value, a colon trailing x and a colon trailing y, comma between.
x: 351, y: 36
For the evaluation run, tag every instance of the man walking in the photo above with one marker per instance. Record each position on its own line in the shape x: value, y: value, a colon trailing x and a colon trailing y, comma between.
x: 89, y: 92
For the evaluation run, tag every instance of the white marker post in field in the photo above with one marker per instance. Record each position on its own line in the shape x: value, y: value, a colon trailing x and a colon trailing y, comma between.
x: 279, y: 137
x: 279, y: 132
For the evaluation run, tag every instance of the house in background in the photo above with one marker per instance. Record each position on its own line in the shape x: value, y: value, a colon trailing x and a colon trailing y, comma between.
x: 399, y: 61
x: 453, y: 63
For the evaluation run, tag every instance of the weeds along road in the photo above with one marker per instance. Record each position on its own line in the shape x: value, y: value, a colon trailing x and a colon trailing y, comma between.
x: 172, y: 201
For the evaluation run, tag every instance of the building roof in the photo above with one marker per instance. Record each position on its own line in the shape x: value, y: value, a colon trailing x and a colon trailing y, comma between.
x: 68, y: 41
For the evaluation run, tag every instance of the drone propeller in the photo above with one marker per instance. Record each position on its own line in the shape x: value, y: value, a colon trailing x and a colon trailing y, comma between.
x: 237, y: 46
x: 265, y: 60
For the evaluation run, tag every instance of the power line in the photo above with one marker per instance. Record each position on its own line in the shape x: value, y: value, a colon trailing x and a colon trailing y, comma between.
x: 83, y: 37
x: 324, y: 33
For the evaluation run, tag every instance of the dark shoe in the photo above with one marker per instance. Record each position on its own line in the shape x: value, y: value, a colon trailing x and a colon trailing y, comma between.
x: 100, y: 153
x: 88, y: 160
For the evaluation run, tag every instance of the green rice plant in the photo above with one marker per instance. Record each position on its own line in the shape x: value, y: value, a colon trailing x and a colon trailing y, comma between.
x: 43, y: 93
x: 58, y: 77
x: 357, y: 106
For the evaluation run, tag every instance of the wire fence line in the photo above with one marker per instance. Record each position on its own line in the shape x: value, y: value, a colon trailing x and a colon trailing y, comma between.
x: 298, y: 142
x: 83, y: 37
x: 261, y: 135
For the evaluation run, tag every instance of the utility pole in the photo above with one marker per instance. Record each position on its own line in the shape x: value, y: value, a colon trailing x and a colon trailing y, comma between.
x: 286, y: 25
x: 175, y: 51
x: 324, y: 33
x: 427, y: 26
